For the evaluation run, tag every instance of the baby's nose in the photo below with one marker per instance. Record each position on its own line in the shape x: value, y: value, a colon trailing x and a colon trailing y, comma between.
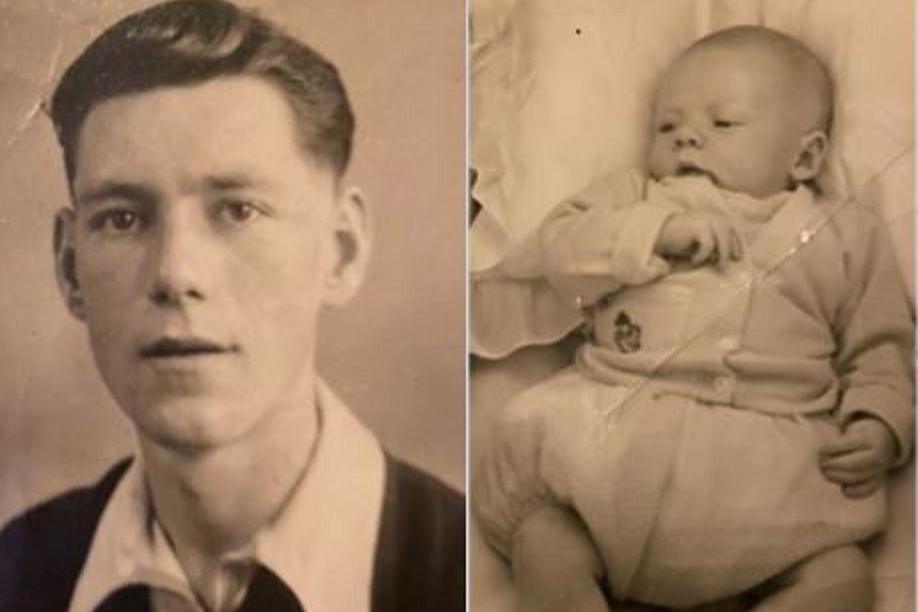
x: 687, y: 136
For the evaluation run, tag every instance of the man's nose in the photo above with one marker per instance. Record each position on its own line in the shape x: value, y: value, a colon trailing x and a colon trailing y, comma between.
x: 686, y: 135
x: 179, y: 263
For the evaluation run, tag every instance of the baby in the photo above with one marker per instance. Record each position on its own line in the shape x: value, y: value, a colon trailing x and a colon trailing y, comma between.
x: 724, y: 434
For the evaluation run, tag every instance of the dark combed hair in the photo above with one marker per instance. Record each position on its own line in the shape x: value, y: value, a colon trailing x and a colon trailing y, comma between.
x: 185, y: 42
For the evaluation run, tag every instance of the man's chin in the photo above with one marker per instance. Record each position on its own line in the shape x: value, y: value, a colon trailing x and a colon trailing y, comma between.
x: 192, y: 425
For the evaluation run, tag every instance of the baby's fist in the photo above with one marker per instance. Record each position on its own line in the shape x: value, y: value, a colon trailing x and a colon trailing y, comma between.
x: 859, y: 458
x: 699, y: 237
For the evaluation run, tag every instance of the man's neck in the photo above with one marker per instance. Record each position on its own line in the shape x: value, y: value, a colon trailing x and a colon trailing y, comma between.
x: 214, y: 501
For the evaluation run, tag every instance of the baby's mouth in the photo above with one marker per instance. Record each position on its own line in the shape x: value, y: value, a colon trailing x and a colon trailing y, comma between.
x: 689, y: 169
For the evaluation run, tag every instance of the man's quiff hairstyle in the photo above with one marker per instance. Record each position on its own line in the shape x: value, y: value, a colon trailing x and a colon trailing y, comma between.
x: 186, y: 42
x: 809, y: 71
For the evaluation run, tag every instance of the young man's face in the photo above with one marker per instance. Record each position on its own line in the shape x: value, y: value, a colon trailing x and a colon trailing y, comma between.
x: 205, y: 241
x: 731, y: 115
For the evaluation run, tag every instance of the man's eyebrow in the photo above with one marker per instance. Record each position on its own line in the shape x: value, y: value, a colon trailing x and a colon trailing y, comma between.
x: 232, y: 180
x: 111, y: 190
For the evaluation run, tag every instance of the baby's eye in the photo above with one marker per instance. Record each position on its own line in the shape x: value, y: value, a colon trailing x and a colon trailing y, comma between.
x: 725, y: 123
x: 115, y: 221
x: 665, y: 128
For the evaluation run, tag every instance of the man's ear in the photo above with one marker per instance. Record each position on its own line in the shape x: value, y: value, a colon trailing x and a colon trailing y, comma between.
x: 352, y: 237
x: 65, y: 262
x: 812, y: 155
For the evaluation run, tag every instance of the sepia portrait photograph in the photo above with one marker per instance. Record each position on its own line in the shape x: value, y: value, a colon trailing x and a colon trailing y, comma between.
x: 232, y: 305
x: 692, y: 312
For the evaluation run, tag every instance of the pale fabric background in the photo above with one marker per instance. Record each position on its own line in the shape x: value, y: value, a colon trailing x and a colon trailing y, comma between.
x: 396, y: 354
x: 561, y: 92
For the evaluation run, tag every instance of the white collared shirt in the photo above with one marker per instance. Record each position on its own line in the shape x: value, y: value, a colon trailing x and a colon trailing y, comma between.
x: 322, y: 545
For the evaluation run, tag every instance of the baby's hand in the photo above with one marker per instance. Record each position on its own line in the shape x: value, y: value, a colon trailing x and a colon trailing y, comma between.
x: 699, y: 237
x: 859, y: 458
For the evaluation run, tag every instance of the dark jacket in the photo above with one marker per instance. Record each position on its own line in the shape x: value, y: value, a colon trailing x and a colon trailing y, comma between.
x: 420, y: 555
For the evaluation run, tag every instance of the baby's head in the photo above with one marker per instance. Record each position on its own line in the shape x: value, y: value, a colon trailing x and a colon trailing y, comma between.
x: 748, y: 107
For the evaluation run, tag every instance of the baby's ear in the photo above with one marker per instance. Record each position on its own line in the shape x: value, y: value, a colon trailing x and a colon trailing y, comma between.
x: 813, y: 150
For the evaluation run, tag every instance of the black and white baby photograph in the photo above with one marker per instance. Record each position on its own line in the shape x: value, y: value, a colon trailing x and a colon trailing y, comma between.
x: 692, y: 311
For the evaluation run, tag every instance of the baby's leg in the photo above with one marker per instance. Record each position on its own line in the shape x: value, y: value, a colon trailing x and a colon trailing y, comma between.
x: 838, y: 580
x: 556, y: 567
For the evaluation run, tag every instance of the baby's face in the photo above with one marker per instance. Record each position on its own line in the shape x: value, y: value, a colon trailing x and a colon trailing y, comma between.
x: 732, y: 115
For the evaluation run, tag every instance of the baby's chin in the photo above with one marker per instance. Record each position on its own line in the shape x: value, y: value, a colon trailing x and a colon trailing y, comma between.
x: 705, y: 179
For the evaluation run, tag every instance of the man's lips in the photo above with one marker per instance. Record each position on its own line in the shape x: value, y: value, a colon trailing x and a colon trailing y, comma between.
x: 186, y: 346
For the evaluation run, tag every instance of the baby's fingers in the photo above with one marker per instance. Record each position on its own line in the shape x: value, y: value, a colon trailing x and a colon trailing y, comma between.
x: 845, y: 477
x: 863, y: 459
x: 704, y: 247
x: 723, y: 245
x: 727, y: 244
x: 842, y: 445
x: 863, y: 489
x: 736, y: 246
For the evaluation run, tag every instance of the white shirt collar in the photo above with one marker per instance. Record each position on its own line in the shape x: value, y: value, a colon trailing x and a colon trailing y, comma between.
x: 322, y: 545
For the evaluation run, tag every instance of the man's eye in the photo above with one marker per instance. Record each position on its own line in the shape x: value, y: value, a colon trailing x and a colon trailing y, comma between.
x: 237, y: 212
x: 665, y: 128
x: 117, y: 220
x: 724, y: 123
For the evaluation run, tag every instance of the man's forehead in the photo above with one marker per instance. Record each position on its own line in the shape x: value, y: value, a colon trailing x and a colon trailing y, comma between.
x: 238, y: 104
x: 234, y: 129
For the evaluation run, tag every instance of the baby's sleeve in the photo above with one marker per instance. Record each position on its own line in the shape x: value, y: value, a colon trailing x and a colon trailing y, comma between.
x: 602, y: 239
x: 875, y: 330
x: 588, y: 246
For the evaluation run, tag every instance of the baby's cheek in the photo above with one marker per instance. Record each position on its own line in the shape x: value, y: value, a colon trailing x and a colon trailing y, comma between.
x: 656, y: 163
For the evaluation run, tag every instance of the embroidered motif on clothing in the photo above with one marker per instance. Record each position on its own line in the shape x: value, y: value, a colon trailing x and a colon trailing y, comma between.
x: 627, y: 333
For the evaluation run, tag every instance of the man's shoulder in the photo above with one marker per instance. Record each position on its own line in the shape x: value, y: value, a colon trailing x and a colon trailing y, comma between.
x: 422, y: 494
x: 44, y: 547
x: 420, y: 557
